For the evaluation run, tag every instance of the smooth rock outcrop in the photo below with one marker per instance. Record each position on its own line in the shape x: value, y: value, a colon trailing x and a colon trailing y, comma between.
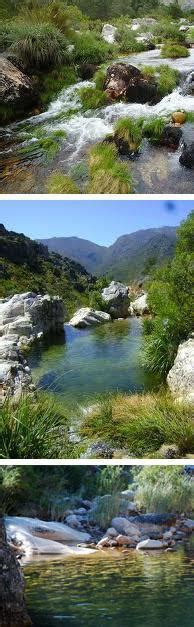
x: 57, y: 532
x: 87, y: 317
x: 29, y: 314
x: 139, y: 306
x: 144, y: 545
x: 109, y: 33
x: 16, y: 88
x: 181, y: 376
x: 115, y: 296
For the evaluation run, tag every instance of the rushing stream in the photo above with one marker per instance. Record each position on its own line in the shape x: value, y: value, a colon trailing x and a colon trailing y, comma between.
x: 89, y: 362
x: 155, y: 170
x: 113, y: 588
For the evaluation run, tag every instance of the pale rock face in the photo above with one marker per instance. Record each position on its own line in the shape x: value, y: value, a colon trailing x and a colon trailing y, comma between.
x: 181, y: 376
x: 87, y: 317
x: 116, y: 298
x: 189, y: 524
x: 109, y: 33
x: 57, y: 532
x: 149, y: 544
x: 139, y: 306
x: 183, y: 4
x: 125, y: 527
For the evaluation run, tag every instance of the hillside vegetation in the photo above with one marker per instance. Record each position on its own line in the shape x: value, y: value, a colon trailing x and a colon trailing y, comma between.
x: 26, y: 265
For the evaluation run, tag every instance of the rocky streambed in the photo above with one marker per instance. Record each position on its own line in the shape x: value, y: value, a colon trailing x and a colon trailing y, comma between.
x: 156, y: 169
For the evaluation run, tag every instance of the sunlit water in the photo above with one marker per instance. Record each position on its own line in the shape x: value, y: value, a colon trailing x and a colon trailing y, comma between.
x: 127, y: 589
x: 89, y: 362
x: 155, y: 169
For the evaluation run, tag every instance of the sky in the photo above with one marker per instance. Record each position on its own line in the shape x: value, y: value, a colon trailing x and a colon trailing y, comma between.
x: 101, y: 221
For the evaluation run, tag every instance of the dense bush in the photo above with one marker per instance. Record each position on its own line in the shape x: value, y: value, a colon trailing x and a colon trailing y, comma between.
x: 127, y: 42
x: 171, y: 303
x: 163, y: 489
x: 90, y: 49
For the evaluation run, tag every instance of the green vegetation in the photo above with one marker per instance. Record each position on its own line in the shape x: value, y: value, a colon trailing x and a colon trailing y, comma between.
x: 52, y: 82
x: 107, y: 175
x: 166, y: 77
x: 26, y: 265
x: 129, y: 131
x: 171, y: 303
x: 172, y: 50
x: 38, y: 46
x: 127, y: 41
x: 105, y: 508
x: 59, y: 183
x: 92, y: 98
x: 91, y: 49
x: 163, y: 489
x: 47, y: 146
x: 153, y: 129
x: 142, y: 423
x: 33, y: 429
x: 190, y: 117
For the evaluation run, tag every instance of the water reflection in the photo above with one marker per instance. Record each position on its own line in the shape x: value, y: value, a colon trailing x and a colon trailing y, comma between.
x: 113, y: 588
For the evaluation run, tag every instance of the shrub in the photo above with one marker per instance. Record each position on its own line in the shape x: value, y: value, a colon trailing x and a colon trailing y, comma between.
x: 168, y: 32
x: 142, y: 423
x: 32, y: 429
x: 110, y: 480
x: 163, y: 489
x: 38, y: 46
x: 129, y: 131
x: 89, y: 49
x: 96, y: 301
x: 174, y: 51
x: 127, y: 42
x: 92, y: 98
x: 59, y: 183
x: 153, y: 129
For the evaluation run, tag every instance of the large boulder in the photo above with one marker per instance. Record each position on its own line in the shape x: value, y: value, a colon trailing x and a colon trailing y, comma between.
x: 181, y: 376
x: 128, y: 83
x: 125, y: 527
x: 87, y: 317
x: 109, y: 33
x: 29, y: 314
x: 16, y: 88
x: 57, y: 532
x: 13, y: 610
x: 15, y: 375
x: 187, y: 156
x: 139, y: 306
x: 115, y: 296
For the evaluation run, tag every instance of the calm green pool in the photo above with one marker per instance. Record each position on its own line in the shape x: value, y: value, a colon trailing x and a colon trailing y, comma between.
x: 118, y: 589
x: 89, y: 362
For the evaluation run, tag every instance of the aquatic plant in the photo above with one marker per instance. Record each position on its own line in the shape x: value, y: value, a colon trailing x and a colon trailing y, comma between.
x: 102, y: 155
x: 92, y: 98
x: 142, y: 423
x: 163, y: 489
x: 116, y: 180
x: 99, y: 78
x: 48, y: 146
x: 59, y: 183
x: 165, y: 76
x: 130, y: 131
x: 153, y: 129
x: 174, y: 50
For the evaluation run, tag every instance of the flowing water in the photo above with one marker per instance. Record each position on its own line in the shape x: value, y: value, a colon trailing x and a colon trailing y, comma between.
x: 89, y: 362
x: 113, y: 588
x: 155, y: 170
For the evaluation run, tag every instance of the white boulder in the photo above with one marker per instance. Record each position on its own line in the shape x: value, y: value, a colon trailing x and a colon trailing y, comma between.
x: 87, y: 317
x: 139, y: 306
x: 149, y: 544
x: 181, y: 376
x: 109, y: 33
x: 116, y: 298
x: 58, y: 532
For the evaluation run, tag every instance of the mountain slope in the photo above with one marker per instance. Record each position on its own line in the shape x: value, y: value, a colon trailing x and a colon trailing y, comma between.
x: 127, y: 259
x: 26, y: 265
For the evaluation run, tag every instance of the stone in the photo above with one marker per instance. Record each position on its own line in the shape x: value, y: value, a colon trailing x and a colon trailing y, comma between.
x: 181, y: 376
x: 124, y: 540
x: 127, y: 82
x: 187, y: 156
x: 72, y: 520
x: 16, y: 88
x: 155, y: 519
x: 150, y: 545
x: 188, y: 523
x: 58, y: 532
x: 139, y: 306
x: 86, y: 317
x: 104, y: 542
x: 167, y: 535
x: 112, y: 532
x: 109, y: 33
x: 13, y: 609
x: 125, y: 527
x: 115, y: 297
x: 169, y: 451
x: 179, y: 117
x: 98, y: 450
x: 171, y: 136
x: 87, y: 70
x: 30, y: 314
x: 128, y: 494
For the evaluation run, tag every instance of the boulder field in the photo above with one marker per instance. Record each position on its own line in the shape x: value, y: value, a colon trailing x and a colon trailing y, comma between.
x: 24, y: 318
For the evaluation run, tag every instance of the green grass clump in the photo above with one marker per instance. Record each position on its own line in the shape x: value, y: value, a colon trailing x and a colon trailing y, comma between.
x: 47, y: 146
x: 142, y: 423
x: 99, y: 78
x: 34, y: 428
x: 190, y: 116
x: 52, y: 82
x: 166, y: 31
x: 92, y: 98
x: 153, y: 129
x: 127, y: 41
x: 130, y: 131
x: 102, y: 155
x: 165, y: 76
x: 172, y: 50
x: 163, y: 489
x: 38, y: 46
x: 116, y: 180
x: 59, y: 183
x: 91, y: 49
x: 105, y: 509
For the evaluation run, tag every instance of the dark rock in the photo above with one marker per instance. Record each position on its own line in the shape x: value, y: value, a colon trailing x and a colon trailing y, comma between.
x: 187, y: 155
x: 99, y: 449
x: 13, y: 611
x: 171, y: 136
x: 155, y: 519
x: 127, y: 82
x: 16, y: 88
x: 87, y: 70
